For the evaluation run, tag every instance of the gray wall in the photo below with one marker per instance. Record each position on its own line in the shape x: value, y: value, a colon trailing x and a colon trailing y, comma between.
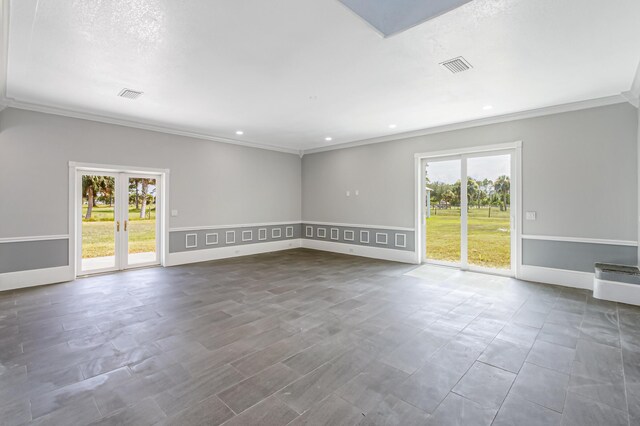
x: 579, y: 173
x: 211, y: 183
x: 592, y: 153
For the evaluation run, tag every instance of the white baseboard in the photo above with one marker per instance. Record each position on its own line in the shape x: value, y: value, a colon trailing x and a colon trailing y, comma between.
x: 35, y: 277
x: 575, y: 279
x: 205, y: 255
x: 616, y: 291
x: 364, y: 251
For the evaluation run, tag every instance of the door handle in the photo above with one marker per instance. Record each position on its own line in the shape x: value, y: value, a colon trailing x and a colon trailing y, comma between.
x: 125, y: 226
x: 117, y: 226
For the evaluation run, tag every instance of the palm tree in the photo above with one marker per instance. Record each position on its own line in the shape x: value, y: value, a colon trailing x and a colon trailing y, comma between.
x: 502, y: 186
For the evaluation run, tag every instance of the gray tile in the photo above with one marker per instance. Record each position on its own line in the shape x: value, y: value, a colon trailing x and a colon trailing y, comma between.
x: 371, y: 386
x: 505, y: 355
x: 316, y: 385
x: 146, y: 412
x: 184, y: 395
x: 427, y: 387
x: 211, y: 411
x: 14, y: 414
x: 485, y: 385
x: 254, y: 389
x: 350, y: 329
x: 580, y: 411
x: 517, y: 411
x: 456, y: 410
x: 394, y: 412
x: 333, y: 411
x: 542, y: 386
x: 269, y: 412
x: 549, y: 355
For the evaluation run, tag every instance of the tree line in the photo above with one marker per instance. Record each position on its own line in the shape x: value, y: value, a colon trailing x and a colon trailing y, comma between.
x: 480, y: 193
x: 101, y: 189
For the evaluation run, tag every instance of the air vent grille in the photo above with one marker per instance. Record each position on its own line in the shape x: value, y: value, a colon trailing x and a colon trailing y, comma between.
x: 456, y: 65
x: 129, y: 94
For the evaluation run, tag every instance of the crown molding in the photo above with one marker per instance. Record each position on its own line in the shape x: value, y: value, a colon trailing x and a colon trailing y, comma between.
x: 555, y: 109
x: 633, y: 95
x: 47, y: 109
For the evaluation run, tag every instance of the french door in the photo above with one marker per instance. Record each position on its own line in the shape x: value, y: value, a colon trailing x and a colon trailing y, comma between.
x: 118, y: 221
x: 469, y: 211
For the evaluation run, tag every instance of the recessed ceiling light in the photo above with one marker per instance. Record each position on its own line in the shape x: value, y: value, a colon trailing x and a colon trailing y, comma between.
x: 392, y: 126
x: 328, y: 139
x: 487, y: 107
x: 239, y: 132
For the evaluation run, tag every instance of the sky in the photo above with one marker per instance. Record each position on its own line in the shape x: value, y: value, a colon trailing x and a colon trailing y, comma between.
x: 478, y: 168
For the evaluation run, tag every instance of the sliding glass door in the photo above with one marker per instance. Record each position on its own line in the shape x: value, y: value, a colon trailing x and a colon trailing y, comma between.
x: 468, y: 211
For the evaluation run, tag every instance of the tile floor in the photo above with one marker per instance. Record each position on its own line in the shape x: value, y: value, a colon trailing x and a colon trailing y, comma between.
x: 305, y: 337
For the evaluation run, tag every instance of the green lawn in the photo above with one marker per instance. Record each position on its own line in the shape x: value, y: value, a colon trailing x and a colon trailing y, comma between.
x: 98, y: 232
x: 489, y: 237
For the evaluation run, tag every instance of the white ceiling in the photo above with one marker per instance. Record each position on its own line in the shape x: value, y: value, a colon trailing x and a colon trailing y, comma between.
x: 289, y: 73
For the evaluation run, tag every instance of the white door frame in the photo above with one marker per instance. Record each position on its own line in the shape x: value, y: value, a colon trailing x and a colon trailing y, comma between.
x: 76, y: 170
x: 420, y: 160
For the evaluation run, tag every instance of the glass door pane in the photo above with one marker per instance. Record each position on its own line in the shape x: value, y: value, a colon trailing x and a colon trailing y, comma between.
x: 141, y: 221
x: 489, y: 205
x: 99, y: 223
x: 443, y: 222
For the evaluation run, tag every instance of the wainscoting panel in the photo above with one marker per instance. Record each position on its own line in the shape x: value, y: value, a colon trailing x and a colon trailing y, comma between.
x: 393, y: 239
x: 213, y: 238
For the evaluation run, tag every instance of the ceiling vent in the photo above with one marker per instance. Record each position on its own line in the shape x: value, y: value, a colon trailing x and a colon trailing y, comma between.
x: 129, y: 94
x: 456, y: 65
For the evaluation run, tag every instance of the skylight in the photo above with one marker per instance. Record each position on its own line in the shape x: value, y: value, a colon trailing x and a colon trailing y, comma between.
x: 393, y: 17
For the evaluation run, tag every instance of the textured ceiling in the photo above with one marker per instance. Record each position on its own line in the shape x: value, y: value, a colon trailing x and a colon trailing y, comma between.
x: 290, y: 73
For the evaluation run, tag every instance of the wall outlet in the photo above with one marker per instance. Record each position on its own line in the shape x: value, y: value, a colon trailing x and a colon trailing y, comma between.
x: 174, y: 213
x: 530, y: 215
x: 348, y: 193
x: 357, y: 192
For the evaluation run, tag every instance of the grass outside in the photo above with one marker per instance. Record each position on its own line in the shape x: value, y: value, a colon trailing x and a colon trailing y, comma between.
x: 98, y: 237
x: 489, y: 238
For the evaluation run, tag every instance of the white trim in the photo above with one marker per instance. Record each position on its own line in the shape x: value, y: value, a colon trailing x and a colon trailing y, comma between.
x: 194, y: 256
x: 261, y: 232
x: 138, y: 124
x: 308, y: 231
x: 288, y: 234
x: 351, y: 238
x: 521, y: 115
x: 379, y: 240
x: 227, y: 239
x: 35, y: 277
x: 358, y: 250
x: 34, y: 238
x: 273, y: 233
x: 244, y: 225
x: 362, y: 240
x: 250, y: 235
x: 4, y: 52
x: 112, y: 168
x: 581, y: 240
x: 404, y: 240
x: 563, y: 277
x: 616, y: 291
x: 321, y: 232
x: 354, y: 225
x: 456, y: 152
x: 337, y: 234
x: 206, y: 239
x: 195, y: 241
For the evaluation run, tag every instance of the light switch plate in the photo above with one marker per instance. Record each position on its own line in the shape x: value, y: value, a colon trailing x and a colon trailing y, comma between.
x: 530, y: 215
x: 348, y: 193
x: 174, y: 213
